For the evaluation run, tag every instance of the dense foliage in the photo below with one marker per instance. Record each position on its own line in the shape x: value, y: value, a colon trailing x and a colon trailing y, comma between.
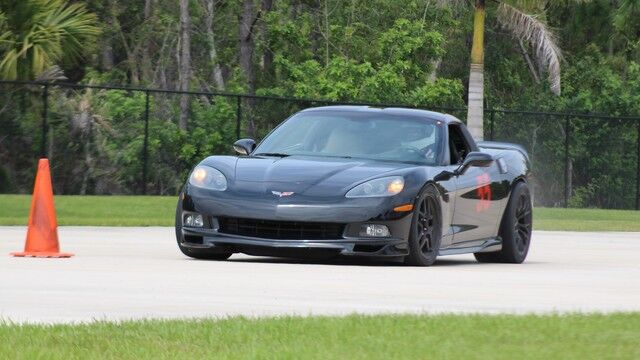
x: 412, y: 52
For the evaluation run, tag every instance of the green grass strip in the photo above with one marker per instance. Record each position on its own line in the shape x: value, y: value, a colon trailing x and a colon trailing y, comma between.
x: 574, y: 336
x: 96, y: 210
x: 585, y: 219
x: 160, y: 211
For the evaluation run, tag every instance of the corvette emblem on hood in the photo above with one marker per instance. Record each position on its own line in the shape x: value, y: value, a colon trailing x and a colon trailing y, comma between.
x: 282, y: 193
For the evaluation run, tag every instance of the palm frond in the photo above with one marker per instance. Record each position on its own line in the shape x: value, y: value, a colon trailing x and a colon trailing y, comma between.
x: 536, y: 5
x: 535, y: 32
x: 46, y: 32
x: 9, y: 65
x: 453, y: 3
x: 52, y: 74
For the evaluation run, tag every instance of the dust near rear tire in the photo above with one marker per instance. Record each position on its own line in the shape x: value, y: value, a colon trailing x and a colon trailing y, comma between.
x: 202, y: 254
x: 515, y: 229
x: 426, y: 229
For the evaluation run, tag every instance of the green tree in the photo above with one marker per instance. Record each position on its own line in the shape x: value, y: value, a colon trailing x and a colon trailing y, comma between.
x: 36, y: 35
x: 626, y: 21
x: 394, y: 66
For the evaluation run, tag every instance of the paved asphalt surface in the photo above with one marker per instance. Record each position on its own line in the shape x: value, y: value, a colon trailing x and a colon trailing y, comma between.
x: 125, y: 273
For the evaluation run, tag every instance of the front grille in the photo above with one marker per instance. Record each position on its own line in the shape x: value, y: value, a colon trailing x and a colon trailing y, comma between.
x: 285, y: 230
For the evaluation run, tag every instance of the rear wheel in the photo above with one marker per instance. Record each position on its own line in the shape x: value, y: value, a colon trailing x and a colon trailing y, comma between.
x: 426, y: 229
x: 196, y: 253
x: 515, y: 229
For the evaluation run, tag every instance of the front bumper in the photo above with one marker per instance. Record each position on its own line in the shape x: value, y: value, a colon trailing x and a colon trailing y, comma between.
x: 211, y: 239
x: 350, y: 213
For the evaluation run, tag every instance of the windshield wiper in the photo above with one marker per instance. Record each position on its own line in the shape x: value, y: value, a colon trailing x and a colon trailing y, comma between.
x: 272, y: 154
x: 339, y: 156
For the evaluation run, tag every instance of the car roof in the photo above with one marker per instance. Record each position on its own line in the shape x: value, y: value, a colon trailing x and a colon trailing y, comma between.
x: 446, y: 118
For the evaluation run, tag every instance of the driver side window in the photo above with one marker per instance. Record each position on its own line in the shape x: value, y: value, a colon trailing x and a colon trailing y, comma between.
x: 458, y: 147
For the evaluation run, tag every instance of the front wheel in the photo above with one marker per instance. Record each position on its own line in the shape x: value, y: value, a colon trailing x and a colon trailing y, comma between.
x: 426, y: 229
x: 515, y: 229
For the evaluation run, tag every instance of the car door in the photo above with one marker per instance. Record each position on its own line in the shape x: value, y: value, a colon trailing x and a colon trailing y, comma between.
x: 475, y: 213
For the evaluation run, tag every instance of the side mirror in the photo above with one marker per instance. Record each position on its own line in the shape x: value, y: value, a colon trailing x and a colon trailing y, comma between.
x: 244, y: 146
x: 475, y: 159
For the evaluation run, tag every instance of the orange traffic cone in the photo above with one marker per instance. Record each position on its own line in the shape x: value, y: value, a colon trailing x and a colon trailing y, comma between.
x: 42, y: 234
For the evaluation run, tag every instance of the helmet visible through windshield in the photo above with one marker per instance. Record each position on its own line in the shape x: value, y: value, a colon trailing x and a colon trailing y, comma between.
x: 354, y: 134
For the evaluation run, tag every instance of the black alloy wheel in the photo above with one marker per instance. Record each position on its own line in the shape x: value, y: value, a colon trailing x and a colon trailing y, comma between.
x: 426, y: 229
x: 522, y: 223
x: 425, y: 225
x: 515, y: 229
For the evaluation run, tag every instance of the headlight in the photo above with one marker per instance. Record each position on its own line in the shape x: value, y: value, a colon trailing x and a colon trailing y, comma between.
x: 208, y: 177
x: 386, y: 186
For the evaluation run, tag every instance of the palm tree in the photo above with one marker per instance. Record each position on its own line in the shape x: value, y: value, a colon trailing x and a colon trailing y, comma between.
x: 35, y: 35
x: 525, y: 20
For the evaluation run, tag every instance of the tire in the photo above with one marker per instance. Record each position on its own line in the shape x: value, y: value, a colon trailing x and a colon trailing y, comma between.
x: 515, y: 229
x: 426, y: 229
x: 202, y: 254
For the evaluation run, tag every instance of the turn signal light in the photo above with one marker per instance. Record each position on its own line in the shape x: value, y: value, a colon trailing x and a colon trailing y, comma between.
x: 403, y: 208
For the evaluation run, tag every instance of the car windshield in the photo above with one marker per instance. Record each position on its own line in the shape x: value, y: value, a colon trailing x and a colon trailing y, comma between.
x: 352, y: 134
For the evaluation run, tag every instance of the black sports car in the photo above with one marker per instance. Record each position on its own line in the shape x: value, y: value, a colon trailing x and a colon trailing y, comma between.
x: 360, y: 181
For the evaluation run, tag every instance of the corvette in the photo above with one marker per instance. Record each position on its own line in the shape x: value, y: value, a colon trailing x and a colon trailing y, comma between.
x: 361, y: 181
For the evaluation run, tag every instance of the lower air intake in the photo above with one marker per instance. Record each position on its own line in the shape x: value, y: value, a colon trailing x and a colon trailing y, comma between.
x: 281, y: 230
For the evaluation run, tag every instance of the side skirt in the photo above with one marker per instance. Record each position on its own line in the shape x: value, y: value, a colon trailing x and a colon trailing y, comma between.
x: 489, y: 245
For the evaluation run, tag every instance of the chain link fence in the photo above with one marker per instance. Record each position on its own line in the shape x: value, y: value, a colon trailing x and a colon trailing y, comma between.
x: 118, y: 140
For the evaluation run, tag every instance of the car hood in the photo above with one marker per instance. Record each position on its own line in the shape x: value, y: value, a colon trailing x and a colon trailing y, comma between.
x: 308, y: 174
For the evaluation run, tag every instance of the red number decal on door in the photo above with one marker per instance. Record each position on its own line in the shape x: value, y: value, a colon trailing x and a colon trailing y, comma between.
x: 483, y: 192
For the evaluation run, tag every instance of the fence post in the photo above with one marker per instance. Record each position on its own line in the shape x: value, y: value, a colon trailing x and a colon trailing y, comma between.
x: 45, y: 121
x: 491, y: 125
x: 638, y: 165
x: 238, y: 115
x: 567, y: 171
x: 145, y: 145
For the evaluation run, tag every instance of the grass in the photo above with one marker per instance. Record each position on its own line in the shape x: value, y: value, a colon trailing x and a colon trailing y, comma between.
x: 160, y: 210
x: 585, y: 219
x: 95, y: 210
x: 352, y: 337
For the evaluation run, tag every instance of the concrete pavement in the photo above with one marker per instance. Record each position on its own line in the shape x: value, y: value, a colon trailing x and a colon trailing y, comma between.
x: 128, y: 273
